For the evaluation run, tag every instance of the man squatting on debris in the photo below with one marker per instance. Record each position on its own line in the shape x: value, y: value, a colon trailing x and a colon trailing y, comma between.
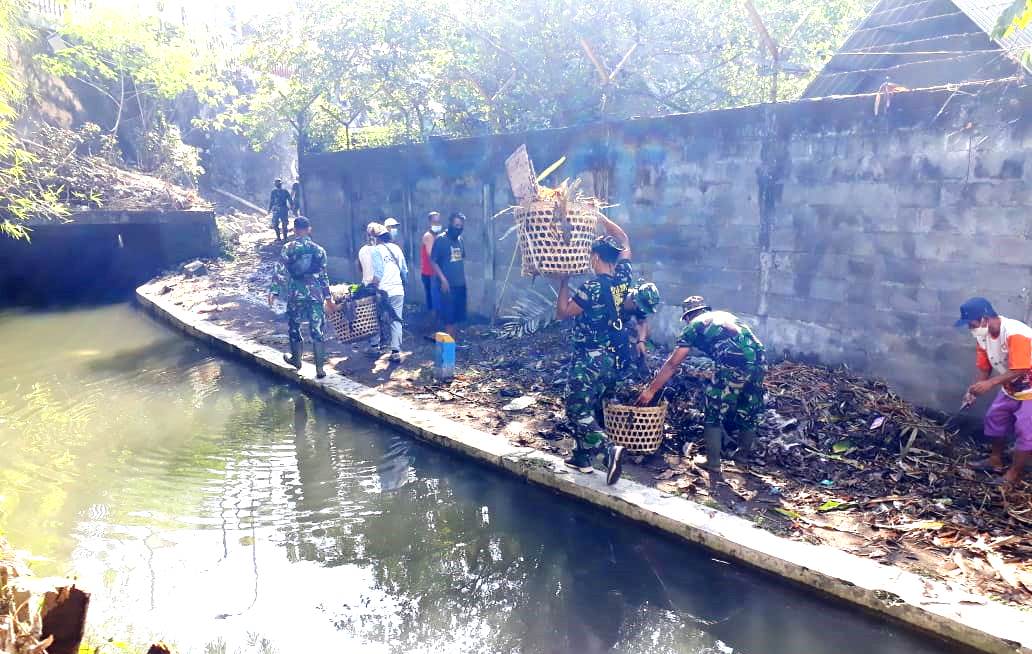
x: 1003, y: 357
x: 734, y: 399
x: 602, y: 352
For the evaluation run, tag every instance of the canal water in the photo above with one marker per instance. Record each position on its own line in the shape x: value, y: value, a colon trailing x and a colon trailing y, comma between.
x: 207, y: 504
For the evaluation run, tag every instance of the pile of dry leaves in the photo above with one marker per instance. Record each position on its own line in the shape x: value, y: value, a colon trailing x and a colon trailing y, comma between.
x: 843, y: 452
x: 840, y: 459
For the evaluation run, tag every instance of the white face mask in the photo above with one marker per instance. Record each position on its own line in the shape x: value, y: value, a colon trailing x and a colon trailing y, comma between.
x: 436, y: 229
x: 982, y: 331
x: 394, y: 232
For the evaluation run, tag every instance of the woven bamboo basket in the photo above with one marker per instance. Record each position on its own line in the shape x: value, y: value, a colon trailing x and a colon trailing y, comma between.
x: 544, y: 246
x: 638, y: 428
x: 365, y: 323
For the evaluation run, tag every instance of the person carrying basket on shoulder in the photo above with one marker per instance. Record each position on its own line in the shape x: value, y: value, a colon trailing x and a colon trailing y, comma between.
x: 600, y: 347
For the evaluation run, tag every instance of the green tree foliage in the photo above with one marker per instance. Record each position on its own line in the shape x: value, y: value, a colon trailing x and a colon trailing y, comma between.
x: 406, y: 70
x: 21, y: 195
x: 571, y: 61
x: 132, y: 60
x: 140, y: 65
x: 1016, y: 18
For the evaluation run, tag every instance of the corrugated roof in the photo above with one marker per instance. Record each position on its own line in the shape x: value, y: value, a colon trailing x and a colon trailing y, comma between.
x: 921, y: 43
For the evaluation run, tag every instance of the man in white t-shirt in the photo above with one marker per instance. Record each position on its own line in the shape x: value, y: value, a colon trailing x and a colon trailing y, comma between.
x: 374, y: 231
x: 389, y: 271
x: 1003, y: 357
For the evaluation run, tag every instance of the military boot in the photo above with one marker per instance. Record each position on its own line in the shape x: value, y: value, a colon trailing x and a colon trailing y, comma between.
x: 613, y: 457
x: 295, y: 354
x: 746, y: 439
x: 580, y: 460
x: 319, y: 349
x: 714, y: 437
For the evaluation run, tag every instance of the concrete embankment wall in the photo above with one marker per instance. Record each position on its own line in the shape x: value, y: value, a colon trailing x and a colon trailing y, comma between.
x: 848, y: 229
x: 100, y: 255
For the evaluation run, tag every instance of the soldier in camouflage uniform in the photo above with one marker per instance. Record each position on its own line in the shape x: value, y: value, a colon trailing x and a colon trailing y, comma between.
x: 301, y: 275
x: 734, y: 400
x: 640, y: 303
x: 279, y: 207
x: 600, y: 348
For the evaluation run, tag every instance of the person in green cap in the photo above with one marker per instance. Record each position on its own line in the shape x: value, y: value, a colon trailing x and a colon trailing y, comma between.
x: 734, y: 399
x: 640, y: 303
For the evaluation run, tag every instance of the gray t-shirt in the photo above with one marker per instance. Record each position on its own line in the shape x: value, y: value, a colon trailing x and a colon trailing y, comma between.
x: 450, y: 255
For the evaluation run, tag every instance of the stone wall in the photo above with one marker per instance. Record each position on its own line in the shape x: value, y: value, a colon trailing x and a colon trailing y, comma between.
x: 100, y: 255
x: 847, y: 236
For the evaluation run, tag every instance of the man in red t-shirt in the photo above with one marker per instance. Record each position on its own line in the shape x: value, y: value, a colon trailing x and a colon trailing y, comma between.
x: 426, y: 268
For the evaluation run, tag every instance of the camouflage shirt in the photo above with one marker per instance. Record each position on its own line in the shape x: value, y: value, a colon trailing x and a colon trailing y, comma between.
x: 591, y: 328
x: 301, y: 272
x: 723, y: 337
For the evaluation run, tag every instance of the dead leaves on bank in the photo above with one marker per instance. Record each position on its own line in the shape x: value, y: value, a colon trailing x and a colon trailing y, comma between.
x: 852, y: 464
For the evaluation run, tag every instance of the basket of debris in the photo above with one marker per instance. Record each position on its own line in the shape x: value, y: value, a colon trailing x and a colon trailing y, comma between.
x: 638, y: 428
x: 555, y: 236
x: 555, y: 226
x: 355, y: 317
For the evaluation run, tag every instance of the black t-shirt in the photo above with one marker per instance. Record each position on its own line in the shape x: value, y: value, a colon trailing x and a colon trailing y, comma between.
x: 450, y: 255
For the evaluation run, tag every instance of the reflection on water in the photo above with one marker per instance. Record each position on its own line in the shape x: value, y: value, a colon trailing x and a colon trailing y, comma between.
x: 206, y: 504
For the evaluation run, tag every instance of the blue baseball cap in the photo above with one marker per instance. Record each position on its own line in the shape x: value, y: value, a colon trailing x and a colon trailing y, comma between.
x: 975, y: 309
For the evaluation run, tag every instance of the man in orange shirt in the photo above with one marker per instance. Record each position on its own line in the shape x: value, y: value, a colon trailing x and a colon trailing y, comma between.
x: 1003, y: 348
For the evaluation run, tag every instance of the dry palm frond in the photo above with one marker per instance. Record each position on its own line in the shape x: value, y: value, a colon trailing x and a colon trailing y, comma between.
x: 532, y: 310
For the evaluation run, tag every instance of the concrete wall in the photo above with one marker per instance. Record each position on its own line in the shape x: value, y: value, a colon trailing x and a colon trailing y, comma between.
x: 846, y: 236
x: 100, y: 255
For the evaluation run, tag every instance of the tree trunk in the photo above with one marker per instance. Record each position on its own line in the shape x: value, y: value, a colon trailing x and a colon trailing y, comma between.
x: 301, y: 141
x: 121, y: 101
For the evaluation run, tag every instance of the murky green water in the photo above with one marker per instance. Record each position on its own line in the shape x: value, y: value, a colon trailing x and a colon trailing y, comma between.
x: 207, y: 504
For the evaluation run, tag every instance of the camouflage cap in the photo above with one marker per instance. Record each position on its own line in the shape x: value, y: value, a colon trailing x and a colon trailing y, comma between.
x: 375, y: 229
x: 646, y: 297
x: 693, y: 304
x: 607, y: 243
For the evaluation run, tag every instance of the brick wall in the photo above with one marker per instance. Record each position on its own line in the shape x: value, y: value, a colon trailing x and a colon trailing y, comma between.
x: 847, y: 237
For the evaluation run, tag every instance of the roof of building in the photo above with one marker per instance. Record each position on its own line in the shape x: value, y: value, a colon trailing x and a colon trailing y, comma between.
x: 920, y: 43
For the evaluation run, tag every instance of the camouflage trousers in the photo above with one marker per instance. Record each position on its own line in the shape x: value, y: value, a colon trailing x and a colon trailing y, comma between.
x: 735, y: 397
x: 310, y: 310
x: 593, y: 375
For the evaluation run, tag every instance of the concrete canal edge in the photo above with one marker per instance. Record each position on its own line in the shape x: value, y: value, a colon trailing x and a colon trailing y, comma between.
x: 921, y: 603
